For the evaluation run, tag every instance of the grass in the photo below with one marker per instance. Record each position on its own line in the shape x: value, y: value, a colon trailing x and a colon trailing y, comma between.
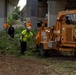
x: 11, y: 46
x: 44, y: 66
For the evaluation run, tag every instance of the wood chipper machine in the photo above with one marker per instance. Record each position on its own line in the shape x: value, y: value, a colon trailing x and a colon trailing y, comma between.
x: 61, y: 37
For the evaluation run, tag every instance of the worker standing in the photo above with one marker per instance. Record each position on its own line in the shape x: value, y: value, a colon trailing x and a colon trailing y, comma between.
x: 28, y: 24
x: 46, y: 22
x: 38, y: 36
x: 11, y: 31
x: 37, y: 40
x: 25, y: 36
x: 5, y: 26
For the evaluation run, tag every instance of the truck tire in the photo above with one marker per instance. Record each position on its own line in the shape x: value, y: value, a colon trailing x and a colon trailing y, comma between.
x: 42, y: 50
x: 75, y: 52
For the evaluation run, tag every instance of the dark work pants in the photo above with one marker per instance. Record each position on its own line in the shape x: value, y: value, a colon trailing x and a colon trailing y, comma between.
x: 45, y: 25
x: 12, y: 35
x: 37, y: 47
x: 23, y: 46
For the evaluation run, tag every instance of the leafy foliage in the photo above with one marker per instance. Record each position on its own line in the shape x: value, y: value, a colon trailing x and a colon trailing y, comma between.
x: 11, y: 46
x: 16, y: 13
x: 12, y: 17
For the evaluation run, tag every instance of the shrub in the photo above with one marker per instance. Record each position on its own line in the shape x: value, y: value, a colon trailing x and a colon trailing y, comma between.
x: 11, y: 46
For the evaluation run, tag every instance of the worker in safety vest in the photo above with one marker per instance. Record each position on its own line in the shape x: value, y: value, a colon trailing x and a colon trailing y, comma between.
x: 25, y: 35
x: 38, y: 40
x: 28, y: 24
x: 43, y: 27
x: 46, y: 22
x: 5, y: 26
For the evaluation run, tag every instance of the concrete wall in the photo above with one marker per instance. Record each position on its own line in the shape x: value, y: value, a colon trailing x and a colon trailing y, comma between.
x: 30, y: 10
x: 71, y: 4
x: 42, y: 8
x: 55, y: 7
x: 31, y: 16
x: 2, y: 9
x: 3, y: 12
x: 9, y: 8
x: 5, y: 8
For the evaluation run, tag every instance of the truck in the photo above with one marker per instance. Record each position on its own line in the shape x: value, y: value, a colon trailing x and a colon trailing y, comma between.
x: 60, y: 37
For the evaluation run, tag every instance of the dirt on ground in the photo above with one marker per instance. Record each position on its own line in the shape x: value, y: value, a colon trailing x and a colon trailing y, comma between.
x: 13, y: 65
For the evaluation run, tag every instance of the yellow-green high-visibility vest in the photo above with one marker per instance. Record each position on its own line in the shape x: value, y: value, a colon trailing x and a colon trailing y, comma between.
x: 26, y: 35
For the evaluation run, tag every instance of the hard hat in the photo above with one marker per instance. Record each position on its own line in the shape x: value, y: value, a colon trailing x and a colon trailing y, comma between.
x: 28, y: 24
x: 43, y: 25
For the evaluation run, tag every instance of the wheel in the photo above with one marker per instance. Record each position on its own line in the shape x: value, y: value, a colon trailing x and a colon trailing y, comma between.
x: 75, y: 52
x: 42, y: 51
